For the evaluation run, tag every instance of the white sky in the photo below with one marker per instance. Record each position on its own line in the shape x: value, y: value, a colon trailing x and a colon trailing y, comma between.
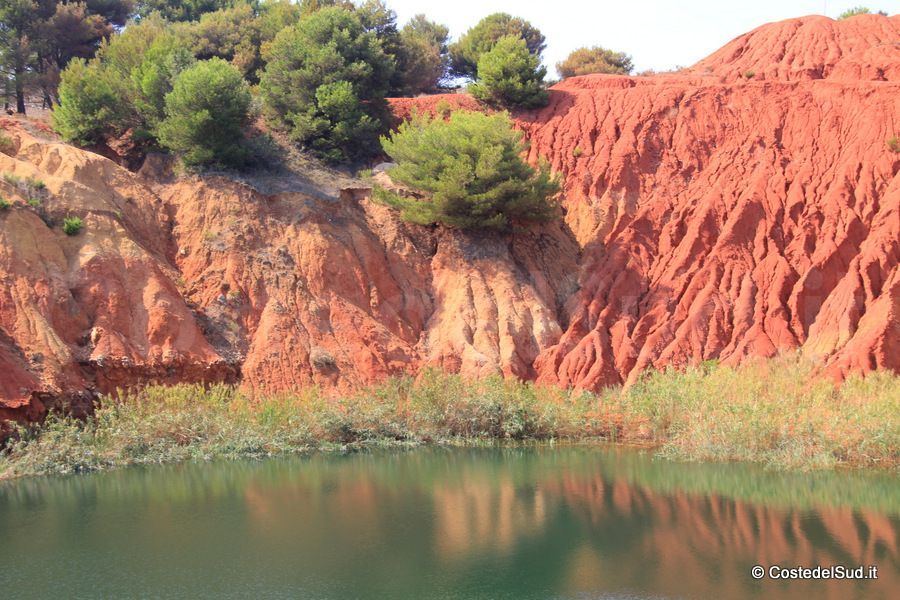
x: 658, y: 34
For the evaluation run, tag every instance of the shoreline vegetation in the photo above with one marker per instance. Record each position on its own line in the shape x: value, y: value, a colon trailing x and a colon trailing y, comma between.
x: 780, y: 413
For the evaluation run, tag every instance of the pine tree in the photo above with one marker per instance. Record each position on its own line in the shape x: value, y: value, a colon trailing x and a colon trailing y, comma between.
x: 469, y: 168
x: 325, y: 84
x: 510, y: 76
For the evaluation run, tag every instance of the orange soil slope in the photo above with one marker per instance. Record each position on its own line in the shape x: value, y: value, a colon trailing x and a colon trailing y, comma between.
x: 707, y: 215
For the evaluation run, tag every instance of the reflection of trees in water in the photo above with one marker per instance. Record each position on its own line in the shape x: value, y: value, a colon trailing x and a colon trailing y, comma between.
x: 558, y: 520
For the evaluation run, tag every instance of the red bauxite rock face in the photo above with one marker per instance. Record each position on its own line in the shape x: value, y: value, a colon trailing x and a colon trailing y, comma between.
x: 723, y: 221
x: 708, y: 214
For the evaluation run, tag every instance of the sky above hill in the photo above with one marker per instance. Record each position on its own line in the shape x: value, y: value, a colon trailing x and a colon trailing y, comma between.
x: 658, y: 34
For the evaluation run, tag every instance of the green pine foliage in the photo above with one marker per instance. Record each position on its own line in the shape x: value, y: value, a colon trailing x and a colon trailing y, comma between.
x: 124, y: 86
x: 423, y: 60
x: 205, y: 113
x: 585, y: 61
x: 275, y: 15
x: 38, y: 39
x: 180, y: 10
x: 124, y: 52
x: 153, y: 78
x: 469, y: 167
x: 467, y: 51
x: 92, y: 103
x: 510, y: 76
x: 235, y: 35
x: 325, y: 84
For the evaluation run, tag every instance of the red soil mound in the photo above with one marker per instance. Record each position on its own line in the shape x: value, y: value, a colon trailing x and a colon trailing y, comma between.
x: 861, y: 48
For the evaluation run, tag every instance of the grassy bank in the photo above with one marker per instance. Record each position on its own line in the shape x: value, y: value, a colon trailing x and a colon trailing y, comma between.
x: 775, y: 412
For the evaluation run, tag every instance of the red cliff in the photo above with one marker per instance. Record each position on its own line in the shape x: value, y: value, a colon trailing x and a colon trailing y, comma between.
x: 746, y: 206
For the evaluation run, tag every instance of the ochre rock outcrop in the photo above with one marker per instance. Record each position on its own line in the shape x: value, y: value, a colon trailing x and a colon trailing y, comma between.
x: 708, y: 214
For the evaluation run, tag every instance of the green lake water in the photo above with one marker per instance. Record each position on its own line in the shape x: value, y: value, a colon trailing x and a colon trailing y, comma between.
x: 527, y: 522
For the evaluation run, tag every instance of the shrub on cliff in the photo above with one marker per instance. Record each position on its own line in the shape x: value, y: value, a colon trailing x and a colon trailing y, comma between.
x: 92, y: 103
x: 465, y: 53
x: 325, y: 83
x: 124, y: 87
x: 470, y: 168
x: 585, y: 61
x: 72, y: 225
x: 205, y: 114
x: 510, y: 76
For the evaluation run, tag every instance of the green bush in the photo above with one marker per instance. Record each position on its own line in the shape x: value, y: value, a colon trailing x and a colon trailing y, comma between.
x: 72, y: 225
x: 124, y: 51
x: 233, y: 34
x: 125, y: 86
x: 894, y: 144
x: 510, y: 76
x: 465, y: 53
x: 471, y: 169
x: 852, y: 12
x: 153, y: 78
x: 180, y: 10
x: 275, y: 15
x: 379, y: 19
x: 91, y: 103
x: 325, y: 83
x: 205, y: 114
x: 423, y: 59
x: 584, y: 61
x: 859, y: 10
x: 4, y: 203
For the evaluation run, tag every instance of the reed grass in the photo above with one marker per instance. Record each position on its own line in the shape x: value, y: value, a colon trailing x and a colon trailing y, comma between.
x: 778, y: 412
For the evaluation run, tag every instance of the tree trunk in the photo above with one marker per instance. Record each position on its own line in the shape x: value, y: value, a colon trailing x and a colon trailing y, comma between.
x: 20, y: 90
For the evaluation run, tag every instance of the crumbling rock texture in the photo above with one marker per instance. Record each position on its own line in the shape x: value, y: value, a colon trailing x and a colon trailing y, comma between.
x: 207, y: 280
x: 723, y: 217
x: 708, y: 214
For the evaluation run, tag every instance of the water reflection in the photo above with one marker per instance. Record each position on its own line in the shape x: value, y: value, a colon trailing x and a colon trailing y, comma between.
x: 486, y: 523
